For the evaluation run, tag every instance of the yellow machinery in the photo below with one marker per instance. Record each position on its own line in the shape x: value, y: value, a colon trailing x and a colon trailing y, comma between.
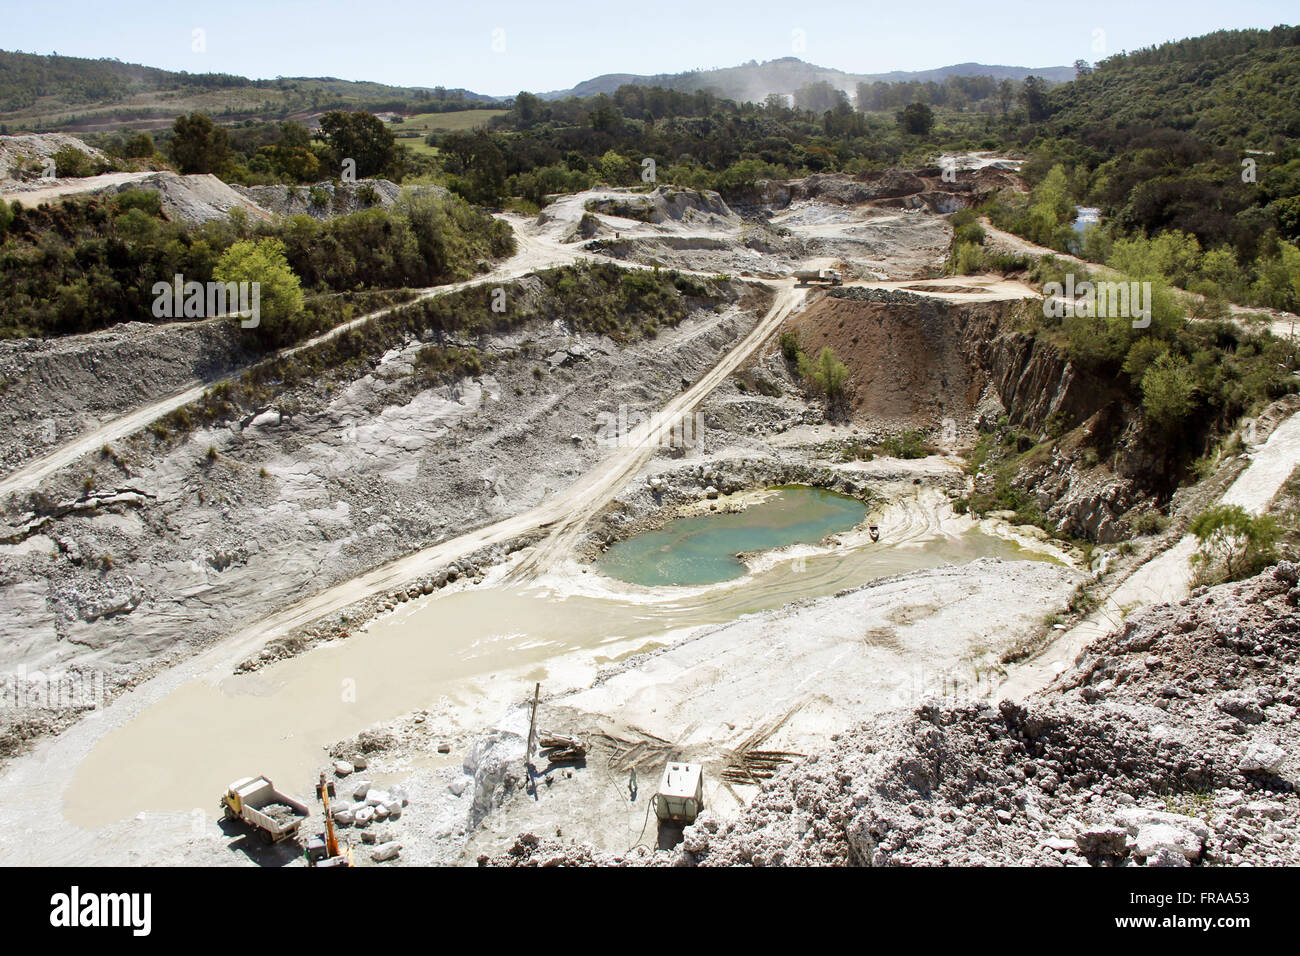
x: 272, y: 815
x: 325, y: 851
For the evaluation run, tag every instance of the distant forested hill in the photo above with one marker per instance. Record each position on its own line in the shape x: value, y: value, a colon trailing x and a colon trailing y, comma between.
x: 754, y: 81
x: 26, y: 78
x: 39, y: 93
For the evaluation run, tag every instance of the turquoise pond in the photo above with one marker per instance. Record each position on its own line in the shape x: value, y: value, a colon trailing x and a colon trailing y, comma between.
x: 702, y: 550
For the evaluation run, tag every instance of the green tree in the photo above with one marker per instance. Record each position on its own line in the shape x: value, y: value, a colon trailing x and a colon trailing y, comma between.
x: 361, y: 137
x: 828, y: 374
x: 280, y: 291
x: 1171, y: 255
x: 479, y: 165
x: 1168, y: 387
x: 139, y: 146
x: 916, y: 118
x: 530, y: 109
x: 1006, y: 95
x: 70, y: 161
x: 1141, y: 354
x: 617, y: 170
x: 1243, y: 542
x: 1033, y: 94
x: 199, y: 146
x: 292, y: 157
x: 1050, y: 199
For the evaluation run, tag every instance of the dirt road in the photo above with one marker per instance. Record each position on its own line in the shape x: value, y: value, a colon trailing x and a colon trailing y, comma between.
x: 531, y: 255
x: 537, y: 248
x: 589, y: 495
x: 31, y: 198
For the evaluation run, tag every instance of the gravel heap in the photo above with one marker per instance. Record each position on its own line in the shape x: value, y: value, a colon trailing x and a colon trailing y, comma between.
x: 1171, y: 742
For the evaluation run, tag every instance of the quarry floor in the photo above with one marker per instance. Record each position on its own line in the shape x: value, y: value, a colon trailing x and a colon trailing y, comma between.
x: 786, y: 677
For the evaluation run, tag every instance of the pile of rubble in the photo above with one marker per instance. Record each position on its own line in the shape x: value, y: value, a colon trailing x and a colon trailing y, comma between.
x: 29, y: 151
x: 370, y: 805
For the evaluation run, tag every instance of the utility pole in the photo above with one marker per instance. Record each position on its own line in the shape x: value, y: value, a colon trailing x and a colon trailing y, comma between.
x: 532, y: 724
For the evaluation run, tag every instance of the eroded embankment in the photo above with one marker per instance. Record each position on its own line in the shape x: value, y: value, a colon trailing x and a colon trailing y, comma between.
x: 55, y: 389
x: 959, y: 370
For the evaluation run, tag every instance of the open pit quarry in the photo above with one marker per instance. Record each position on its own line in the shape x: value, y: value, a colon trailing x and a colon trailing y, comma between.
x: 392, y: 578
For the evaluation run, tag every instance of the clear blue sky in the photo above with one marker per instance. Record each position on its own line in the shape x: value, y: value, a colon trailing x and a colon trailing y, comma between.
x: 551, y: 45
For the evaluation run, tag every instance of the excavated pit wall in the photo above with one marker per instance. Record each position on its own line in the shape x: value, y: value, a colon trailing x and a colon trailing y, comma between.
x: 969, y: 362
x: 243, y: 516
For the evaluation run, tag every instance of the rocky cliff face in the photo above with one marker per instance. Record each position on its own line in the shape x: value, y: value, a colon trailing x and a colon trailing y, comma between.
x: 924, y: 188
x: 325, y: 200
x: 1081, y: 494
x: 917, y: 360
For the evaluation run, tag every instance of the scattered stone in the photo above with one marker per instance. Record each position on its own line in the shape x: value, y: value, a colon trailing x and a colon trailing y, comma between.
x: 1262, y: 757
x: 1103, y: 841
x: 1153, y: 837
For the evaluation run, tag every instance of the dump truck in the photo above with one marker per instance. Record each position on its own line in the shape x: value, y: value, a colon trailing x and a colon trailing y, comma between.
x: 681, y: 794
x: 272, y: 815
x: 807, y: 276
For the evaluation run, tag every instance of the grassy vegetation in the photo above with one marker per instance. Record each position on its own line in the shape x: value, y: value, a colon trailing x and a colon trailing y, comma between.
x: 413, y: 132
x: 1000, y: 454
x: 1232, y: 544
x: 1191, y: 383
x: 1182, y: 385
x: 825, y: 375
x: 905, y: 444
x: 425, y: 123
x: 967, y: 253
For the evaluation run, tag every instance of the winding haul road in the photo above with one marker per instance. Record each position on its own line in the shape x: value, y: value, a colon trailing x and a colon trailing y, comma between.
x: 531, y: 255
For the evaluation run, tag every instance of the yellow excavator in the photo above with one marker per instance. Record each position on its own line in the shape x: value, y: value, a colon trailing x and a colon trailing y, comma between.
x: 323, y: 849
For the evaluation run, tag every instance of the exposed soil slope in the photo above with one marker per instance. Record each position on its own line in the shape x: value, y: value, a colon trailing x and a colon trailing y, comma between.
x: 906, y: 360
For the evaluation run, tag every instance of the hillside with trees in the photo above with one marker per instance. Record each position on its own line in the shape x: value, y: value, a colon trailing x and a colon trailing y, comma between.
x: 50, y: 93
x: 1189, y: 150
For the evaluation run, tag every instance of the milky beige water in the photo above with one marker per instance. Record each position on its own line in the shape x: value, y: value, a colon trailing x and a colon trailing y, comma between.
x: 477, y: 644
